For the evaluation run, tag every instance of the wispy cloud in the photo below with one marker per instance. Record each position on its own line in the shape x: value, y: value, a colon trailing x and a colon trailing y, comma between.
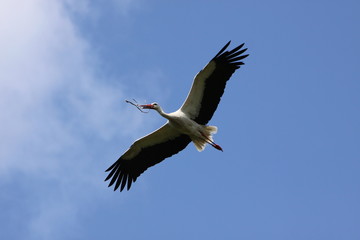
x: 49, y: 92
x: 54, y: 109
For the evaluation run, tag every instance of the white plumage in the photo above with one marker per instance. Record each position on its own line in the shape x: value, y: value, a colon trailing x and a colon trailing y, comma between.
x: 184, y: 125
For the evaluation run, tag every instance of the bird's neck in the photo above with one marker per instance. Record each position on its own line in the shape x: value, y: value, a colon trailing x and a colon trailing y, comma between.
x: 162, y: 113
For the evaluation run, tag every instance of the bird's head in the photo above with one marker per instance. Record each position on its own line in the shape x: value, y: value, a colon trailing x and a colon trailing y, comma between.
x: 154, y: 106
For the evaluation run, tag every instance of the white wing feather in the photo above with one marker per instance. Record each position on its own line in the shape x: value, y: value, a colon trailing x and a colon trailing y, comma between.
x: 192, y: 104
x: 163, y: 134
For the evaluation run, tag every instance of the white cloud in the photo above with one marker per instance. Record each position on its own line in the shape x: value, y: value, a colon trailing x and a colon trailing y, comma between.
x: 53, y: 105
x: 49, y: 92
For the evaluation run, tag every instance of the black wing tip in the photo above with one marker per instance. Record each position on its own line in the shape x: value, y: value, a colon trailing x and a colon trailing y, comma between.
x: 233, y: 56
x: 222, y: 49
x: 124, y: 183
x: 119, y: 177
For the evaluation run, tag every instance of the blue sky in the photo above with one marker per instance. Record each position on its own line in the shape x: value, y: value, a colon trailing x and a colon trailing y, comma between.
x: 288, y: 122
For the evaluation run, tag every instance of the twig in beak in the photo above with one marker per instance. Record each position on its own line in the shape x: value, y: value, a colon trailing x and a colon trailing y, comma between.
x: 136, y: 105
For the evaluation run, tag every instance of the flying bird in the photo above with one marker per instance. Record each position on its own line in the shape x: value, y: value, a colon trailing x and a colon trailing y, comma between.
x: 187, y: 124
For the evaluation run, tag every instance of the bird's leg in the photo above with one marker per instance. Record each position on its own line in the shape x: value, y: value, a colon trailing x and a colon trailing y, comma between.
x: 211, y: 142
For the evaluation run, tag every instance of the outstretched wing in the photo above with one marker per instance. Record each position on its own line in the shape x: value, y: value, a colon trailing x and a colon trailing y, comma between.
x: 209, y: 84
x: 144, y: 153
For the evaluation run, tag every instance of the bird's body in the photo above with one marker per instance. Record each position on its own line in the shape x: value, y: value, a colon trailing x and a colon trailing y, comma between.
x: 182, y: 123
x: 186, y: 124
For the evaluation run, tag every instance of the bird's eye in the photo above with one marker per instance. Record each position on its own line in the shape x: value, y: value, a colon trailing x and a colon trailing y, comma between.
x: 155, y: 104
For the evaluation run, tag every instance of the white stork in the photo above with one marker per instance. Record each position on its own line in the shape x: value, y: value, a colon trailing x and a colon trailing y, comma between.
x: 183, y: 126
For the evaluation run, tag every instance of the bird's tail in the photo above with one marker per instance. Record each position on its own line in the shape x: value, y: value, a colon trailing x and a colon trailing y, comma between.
x: 200, y: 143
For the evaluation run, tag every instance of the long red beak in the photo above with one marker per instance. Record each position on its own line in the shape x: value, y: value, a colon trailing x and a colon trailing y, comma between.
x: 147, y: 106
